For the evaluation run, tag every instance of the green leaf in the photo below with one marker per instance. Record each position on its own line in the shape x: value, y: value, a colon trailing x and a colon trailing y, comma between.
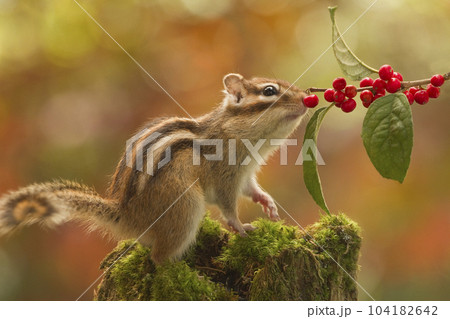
x: 347, y: 60
x: 387, y: 135
x: 310, y: 172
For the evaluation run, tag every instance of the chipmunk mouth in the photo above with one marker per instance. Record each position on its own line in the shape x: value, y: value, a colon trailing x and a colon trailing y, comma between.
x: 295, y: 111
x: 293, y: 116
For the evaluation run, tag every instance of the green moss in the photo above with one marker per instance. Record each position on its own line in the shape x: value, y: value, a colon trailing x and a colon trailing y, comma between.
x: 131, y: 274
x: 307, y: 269
x: 177, y: 281
x: 209, y: 230
x: 210, y: 240
x: 292, y: 275
x: 134, y: 276
x: 269, y: 239
x: 337, y: 240
x: 274, y: 262
x: 335, y: 232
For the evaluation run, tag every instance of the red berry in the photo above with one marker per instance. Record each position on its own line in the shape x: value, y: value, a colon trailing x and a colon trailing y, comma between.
x: 366, y: 82
x: 437, y: 80
x: 329, y: 95
x: 339, y: 96
x: 350, y: 91
x: 413, y: 90
x: 421, y: 97
x: 433, y: 92
x: 397, y: 76
x: 410, y: 97
x: 311, y: 100
x: 338, y: 104
x: 348, y: 105
x: 366, y: 96
x: 385, y: 72
x: 393, y: 85
x: 367, y: 104
x: 378, y: 95
x: 379, y: 85
x: 339, y: 83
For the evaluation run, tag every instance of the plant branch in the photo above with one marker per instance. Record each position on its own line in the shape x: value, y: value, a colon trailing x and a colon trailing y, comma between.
x: 313, y: 89
x: 405, y: 85
x: 408, y: 84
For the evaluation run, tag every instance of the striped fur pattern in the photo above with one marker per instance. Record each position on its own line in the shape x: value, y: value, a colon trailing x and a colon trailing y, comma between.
x: 150, y: 207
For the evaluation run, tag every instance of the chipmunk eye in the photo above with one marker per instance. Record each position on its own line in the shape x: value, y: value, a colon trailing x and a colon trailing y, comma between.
x: 269, y: 90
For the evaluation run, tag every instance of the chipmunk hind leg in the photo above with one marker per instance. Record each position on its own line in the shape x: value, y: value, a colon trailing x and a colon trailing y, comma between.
x: 175, y: 231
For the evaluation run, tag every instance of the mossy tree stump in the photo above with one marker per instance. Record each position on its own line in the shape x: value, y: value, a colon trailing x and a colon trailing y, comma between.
x: 275, y: 262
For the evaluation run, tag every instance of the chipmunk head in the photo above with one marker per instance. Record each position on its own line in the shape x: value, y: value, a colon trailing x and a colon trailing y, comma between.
x: 261, y: 107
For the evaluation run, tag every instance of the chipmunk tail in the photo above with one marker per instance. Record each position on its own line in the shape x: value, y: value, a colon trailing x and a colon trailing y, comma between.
x: 51, y: 204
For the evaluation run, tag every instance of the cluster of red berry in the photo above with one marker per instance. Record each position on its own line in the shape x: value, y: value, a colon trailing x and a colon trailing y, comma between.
x: 342, y: 94
x: 422, y: 96
x: 388, y: 80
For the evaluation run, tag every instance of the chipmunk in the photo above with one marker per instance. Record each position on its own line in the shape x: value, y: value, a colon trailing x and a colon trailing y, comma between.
x: 164, y: 209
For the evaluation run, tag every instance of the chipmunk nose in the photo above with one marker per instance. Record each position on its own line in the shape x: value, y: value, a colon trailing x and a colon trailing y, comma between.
x: 302, y: 96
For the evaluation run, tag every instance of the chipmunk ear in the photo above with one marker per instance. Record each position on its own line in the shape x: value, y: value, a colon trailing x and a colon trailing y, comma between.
x: 234, y: 84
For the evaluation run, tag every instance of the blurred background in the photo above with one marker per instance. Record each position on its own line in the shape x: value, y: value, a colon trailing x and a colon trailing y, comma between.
x: 70, y: 97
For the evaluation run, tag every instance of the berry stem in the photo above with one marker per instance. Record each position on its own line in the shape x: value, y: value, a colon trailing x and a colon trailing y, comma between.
x: 408, y: 84
x: 313, y: 89
x: 405, y: 85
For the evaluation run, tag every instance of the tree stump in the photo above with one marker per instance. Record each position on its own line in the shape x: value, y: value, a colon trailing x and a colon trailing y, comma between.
x: 274, y: 262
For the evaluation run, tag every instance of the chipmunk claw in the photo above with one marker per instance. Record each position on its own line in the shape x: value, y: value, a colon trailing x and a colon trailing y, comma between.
x: 268, y: 205
x: 249, y: 227
x: 272, y: 211
x: 237, y: 227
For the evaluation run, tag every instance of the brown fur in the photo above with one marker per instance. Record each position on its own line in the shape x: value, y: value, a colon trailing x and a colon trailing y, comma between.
x: 164, y: 210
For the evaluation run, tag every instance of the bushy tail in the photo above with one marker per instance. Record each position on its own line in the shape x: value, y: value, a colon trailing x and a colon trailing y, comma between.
x: 51, y: 204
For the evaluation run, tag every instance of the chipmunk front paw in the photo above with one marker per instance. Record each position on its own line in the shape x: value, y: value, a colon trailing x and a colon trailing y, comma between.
x: 268, y: 205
